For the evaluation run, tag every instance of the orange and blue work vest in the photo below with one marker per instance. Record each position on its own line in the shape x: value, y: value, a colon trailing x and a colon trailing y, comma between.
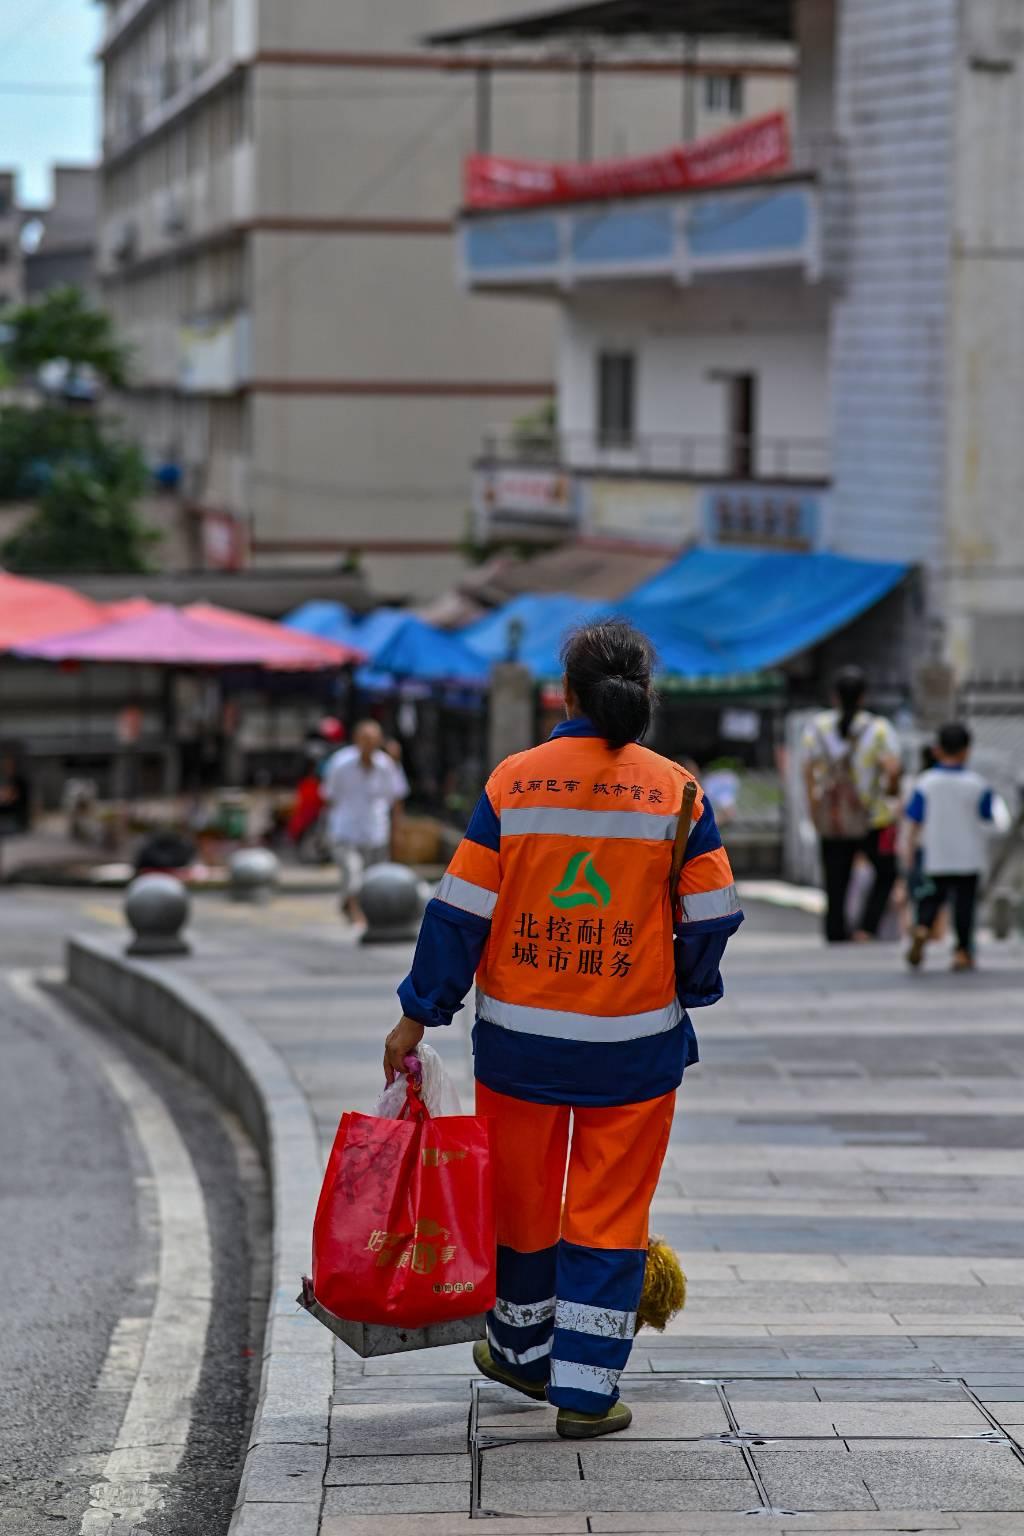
x: 557, y: 900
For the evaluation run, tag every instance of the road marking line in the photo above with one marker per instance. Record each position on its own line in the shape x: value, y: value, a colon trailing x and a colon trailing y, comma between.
x: 164, y: 1359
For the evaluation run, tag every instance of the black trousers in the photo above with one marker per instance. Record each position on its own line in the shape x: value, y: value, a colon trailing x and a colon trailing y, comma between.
x: 837, y: 856
x: 962, y: 892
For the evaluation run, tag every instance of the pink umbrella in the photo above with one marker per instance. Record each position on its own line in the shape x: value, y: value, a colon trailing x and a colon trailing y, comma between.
x: 167, y: 636
x: 31, y: 610
x: 308, y: 652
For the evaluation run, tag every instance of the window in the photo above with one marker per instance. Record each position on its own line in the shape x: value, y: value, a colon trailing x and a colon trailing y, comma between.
x: 741, y: 404
x: 5, y: 255
x: 616, y: 392
x: 724, y: 94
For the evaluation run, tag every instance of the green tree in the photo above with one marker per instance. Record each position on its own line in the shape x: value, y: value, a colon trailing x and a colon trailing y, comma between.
x: 86, y: 520
x: 84, y: 478
x: 63, y: 324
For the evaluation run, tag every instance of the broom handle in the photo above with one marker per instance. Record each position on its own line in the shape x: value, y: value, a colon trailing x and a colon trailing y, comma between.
x: 682, y: 834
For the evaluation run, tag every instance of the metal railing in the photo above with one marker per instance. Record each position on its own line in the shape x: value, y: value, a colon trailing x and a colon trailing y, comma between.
x: 691, y: 455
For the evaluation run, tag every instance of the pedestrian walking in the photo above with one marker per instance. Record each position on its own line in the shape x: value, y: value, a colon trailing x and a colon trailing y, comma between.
x: 852, y: 767
x: 559, y: 900
x: 950, y: 817
x: 364, y: 790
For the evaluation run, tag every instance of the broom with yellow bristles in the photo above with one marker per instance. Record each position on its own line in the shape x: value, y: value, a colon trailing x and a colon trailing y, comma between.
x: 664, y: 1292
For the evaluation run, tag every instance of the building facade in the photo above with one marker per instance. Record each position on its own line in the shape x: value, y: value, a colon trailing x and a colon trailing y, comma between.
x: 828, y: 358
x: 65, y: 252
x: 279, y: 188
x: 11, y: 270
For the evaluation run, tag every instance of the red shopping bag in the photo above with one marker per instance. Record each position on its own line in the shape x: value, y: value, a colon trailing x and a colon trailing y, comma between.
x: 404, y: 1233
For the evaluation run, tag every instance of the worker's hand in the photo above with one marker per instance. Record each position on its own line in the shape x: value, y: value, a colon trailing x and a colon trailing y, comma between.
x: 403, y: 1039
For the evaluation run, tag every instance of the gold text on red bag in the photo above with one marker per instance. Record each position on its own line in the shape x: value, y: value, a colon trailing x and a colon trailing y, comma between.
x: 438, y: 1157
x: 413, y: 1250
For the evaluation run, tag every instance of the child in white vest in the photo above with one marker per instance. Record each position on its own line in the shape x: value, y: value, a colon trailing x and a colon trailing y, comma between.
x: 950, y: 817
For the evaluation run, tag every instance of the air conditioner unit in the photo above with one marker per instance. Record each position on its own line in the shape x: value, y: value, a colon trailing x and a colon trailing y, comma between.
x: 174, y: 220
x: 169, y: 74
x: 125, y: 242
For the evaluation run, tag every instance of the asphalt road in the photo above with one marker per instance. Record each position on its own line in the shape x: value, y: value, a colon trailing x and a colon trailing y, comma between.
x: 79, y: 1250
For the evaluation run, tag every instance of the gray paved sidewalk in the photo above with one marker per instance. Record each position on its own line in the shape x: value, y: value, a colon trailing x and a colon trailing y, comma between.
x: 844, y: 1185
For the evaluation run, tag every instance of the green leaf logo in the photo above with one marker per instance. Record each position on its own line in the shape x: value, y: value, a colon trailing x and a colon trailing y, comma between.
x: 581, y: 867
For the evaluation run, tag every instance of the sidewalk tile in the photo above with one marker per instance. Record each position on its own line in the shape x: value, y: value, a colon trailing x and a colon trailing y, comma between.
x: 451, y: 1525
x: 396, y: 1499
x: 624, y: 1496
x: 393, y: 1427
x: 407, y: 1467
x: 283, y: 1474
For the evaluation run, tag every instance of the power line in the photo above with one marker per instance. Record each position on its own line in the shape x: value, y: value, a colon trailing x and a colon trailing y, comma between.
x: 12, y: 88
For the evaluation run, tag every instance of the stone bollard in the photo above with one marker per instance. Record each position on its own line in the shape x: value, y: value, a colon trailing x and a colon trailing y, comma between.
x: 253, y: 875
x: 156, y: 907
x: 392, y: 900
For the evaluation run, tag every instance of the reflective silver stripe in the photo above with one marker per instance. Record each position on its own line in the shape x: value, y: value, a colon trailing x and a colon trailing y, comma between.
x: 523, y: 1314
x: 471, y: 898
x: 577, y: 1026
x: 520, y: 1356
x: 584, y: 1378
x: 555, y: 821
x: 601, y: 1322
x: 701, y: 905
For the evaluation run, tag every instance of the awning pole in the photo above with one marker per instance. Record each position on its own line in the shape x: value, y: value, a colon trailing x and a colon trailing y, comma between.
x: 483, y: 110
x: 585, y: 123
x: 689, y: 90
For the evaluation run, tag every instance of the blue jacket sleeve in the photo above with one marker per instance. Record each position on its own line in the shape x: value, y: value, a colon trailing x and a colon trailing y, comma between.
x: 698, y: 963
x: 455, y: 928
x: 448, y: 952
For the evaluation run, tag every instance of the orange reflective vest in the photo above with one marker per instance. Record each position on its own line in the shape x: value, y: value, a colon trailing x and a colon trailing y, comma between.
x: 558, y: 898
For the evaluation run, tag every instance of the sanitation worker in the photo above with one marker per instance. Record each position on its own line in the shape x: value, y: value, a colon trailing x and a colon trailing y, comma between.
x: 558, y: 901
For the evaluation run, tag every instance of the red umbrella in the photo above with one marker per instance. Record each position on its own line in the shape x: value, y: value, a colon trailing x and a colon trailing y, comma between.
x: 30, y: 610
x: 308, y: 652
x: 165, y: 635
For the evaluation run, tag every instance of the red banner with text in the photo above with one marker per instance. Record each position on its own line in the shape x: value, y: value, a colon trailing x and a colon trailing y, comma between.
x: 757, y: 148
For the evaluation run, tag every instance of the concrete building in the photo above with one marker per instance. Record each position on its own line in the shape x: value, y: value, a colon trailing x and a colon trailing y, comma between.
x: 65, y: 253
x: 279, y: 184
x: 11, y: 274
x: 828, y: 358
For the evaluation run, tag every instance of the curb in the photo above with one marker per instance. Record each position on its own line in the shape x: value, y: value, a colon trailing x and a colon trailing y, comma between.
x: 281, y: 1487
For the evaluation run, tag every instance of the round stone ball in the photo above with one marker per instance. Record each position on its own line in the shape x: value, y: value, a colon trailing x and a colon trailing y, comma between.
x: 156, y: 906
x: 390, y: 898
x: 253, y: 868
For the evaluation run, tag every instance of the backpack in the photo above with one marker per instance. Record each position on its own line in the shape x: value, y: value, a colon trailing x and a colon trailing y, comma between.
x: 839, y: 810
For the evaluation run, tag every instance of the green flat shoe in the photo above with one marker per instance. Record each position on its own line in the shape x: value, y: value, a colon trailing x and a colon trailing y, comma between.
x: 588, y: 1426
x: 488, y: 1366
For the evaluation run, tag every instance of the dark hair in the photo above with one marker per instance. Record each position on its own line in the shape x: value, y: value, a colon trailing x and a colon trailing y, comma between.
x: 608, y: 667
x: 954, y: 739
x: 850, y: 686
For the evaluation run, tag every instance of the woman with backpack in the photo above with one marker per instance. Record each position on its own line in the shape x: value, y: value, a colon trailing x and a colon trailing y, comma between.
x: 852, y: 772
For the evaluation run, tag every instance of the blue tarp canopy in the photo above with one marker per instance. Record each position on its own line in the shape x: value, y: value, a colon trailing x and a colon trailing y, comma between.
x: 333, y: 621
x: 711, y: 613
x: 416, y: 649
x: 544, y: 618
x: 319, y: 617
x: 718, y: 612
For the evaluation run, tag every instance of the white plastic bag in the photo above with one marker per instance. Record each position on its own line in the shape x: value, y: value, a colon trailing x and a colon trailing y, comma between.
x: 438, y: 1090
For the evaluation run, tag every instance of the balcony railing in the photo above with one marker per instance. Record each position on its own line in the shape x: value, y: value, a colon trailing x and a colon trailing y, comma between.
x: 697, y: 456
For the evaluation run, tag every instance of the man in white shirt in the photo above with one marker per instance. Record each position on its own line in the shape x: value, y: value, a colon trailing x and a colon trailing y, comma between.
x: 364, y: 789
